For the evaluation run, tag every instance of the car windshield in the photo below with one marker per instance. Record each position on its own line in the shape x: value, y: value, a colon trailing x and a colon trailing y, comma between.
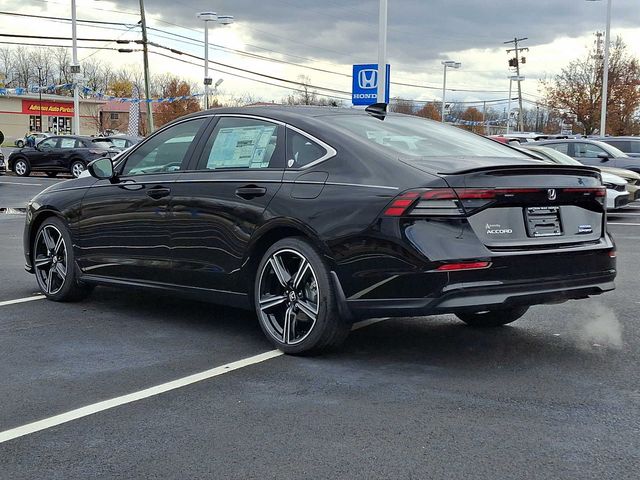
x: 419, y: 137
x: 556, y: 156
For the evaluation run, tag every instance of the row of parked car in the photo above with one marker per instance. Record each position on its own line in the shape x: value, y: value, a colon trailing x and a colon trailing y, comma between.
x: 617, y: 158
x: 54, y: 154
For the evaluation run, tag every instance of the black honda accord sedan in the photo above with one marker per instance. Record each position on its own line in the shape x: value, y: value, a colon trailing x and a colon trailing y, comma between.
x: 316, y: 217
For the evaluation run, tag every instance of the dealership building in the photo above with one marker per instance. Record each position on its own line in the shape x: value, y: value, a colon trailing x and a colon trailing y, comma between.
x: 46, y: 113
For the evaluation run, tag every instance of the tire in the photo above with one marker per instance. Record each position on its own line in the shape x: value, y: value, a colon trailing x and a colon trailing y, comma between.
x: 21, y: 167
x: 277, y: 301
x: 52, y: 174
x: 54, y: 263
x: 19, y: 143
x: 76, y: 168
x: 492, y: 318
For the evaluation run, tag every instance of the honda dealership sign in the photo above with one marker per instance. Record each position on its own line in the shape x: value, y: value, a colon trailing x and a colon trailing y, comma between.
x: 365, y: 84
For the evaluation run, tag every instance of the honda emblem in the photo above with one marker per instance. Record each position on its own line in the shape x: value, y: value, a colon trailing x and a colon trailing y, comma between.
x: 368, y: 78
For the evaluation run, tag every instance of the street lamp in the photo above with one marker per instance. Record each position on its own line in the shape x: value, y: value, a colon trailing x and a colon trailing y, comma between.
x: 221, y: 20
x: 512, y: 78
x: 450, y: 64
x: 605, y: 71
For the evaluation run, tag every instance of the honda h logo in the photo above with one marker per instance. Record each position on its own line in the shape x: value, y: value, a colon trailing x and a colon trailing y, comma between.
x: 551, y: 194
x: 368, y: 78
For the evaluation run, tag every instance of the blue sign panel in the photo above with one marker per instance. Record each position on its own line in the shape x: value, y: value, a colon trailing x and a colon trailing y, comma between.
x: 365, y: 84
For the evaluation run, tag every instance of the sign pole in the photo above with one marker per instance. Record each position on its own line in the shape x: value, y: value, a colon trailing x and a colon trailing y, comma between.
x: 382, y: 52
x: 75, y: 69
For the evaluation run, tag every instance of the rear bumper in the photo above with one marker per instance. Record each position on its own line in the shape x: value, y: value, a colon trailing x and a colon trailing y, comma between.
x: 485, y: 295
x: 617, y: 199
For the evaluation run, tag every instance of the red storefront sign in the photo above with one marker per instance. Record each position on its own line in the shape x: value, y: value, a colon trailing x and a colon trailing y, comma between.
x: 55, y: 109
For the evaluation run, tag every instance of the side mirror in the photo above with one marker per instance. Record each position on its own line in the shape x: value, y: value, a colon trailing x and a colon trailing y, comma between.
x: 101, y: 168
x: 604, y: 157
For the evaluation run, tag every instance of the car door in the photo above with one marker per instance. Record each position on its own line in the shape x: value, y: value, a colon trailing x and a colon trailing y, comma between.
x: 43, y: 155
x: 124, y: 227
x: 221, y: 200
x: 62, y: 154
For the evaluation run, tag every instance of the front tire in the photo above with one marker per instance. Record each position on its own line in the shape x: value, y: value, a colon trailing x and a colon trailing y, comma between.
x: 77, y: 167
x: 21, y: 167
x: 54, y: 263
x: 295, y: 299
x: 20, y: 144
x: 492, y: 318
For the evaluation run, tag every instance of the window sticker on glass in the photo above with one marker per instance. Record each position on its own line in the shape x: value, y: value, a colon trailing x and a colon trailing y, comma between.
x: 243, y: 147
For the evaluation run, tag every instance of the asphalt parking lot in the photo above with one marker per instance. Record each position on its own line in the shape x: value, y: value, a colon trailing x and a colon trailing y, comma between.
x: 554, y: 395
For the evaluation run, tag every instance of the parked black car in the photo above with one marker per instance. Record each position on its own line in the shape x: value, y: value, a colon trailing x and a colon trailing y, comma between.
x: 315, y: 217
x: 593, y: 152
x: 628, y: 145
x: 53, y: 155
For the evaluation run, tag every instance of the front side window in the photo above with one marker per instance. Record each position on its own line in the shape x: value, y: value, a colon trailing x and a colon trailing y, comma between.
x: 586, y: 150
x: 242, y: 143
x: 164, y: 152
x: 301, y: 150
x: 48, y: 144
x: 413, y: 136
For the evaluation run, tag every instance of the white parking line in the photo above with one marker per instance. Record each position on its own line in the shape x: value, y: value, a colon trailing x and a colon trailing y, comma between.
x: 18, y: 183
x: 631, y: 224
x: 22, y: 300
x: 133, y: 397
x: 147, y: 392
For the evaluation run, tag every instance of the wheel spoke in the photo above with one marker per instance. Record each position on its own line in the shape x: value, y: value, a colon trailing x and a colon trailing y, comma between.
x: 59, y: 244
x: 279, y: 270
x: 304, y: 265
x: 289, y: 316
x: 61, y: 271
x: 308, y: 309
x: 271, y: 301
x: 42, y: 261
x: 50, y: 281
x: 48, y: 240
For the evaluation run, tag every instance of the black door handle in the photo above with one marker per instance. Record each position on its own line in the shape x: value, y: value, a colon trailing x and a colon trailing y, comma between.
x: 250, y: 191
x: 158, y: 192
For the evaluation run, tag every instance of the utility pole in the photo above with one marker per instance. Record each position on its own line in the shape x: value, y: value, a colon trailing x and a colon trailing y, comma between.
x: 40, y: 96
x: 516, y: 63
x: 382, y: 51
x: 75, y: 70
x: 145, y: 54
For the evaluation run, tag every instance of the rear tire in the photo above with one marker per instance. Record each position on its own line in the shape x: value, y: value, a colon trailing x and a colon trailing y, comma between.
x: 492, y: 318
x: 295, y: 299
x: 54, y: 263
x: 21, y: 167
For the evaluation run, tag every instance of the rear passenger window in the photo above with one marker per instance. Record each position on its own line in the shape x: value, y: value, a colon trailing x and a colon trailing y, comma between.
x: 67, y: 143
x: 301, y: 150
x: 243, y: 143
x: 623, y: 145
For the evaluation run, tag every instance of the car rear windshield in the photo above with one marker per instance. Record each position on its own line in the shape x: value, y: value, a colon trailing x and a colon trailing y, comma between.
x: 419, y: 137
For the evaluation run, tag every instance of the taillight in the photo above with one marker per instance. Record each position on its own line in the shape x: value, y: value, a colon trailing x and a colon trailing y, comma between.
x: 597, y: 191
x: 401, y: 204
x: 456, y: 267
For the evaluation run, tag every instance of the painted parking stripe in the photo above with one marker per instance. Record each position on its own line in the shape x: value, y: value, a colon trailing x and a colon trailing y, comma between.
x: 19, y: 183
x: 630, y: 224
x: 133, y: 397
x: 149, y: 392
x: 22, y: 300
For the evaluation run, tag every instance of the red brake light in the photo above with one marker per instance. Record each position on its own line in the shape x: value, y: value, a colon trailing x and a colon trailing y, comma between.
x: 452, y: 267
x: 401, y: 204
x: 598, y: 191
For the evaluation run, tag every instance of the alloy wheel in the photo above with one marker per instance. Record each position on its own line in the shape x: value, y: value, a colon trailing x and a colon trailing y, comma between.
x: 76, y: 169
x: 50, y: 259
x: 21, y: 167
x: 288, y: 296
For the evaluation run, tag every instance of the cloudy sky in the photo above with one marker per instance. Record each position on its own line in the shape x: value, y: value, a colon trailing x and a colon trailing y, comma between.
x: 323, y: 38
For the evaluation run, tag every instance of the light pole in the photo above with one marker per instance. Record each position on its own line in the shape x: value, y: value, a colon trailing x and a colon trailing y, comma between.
x: 40, y: 95
x: 511, y: 79
x: 221, y: 20
x: 382, y: 52
x: 450, y: 64
x: 605, y: 71
x: 75, y: 70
